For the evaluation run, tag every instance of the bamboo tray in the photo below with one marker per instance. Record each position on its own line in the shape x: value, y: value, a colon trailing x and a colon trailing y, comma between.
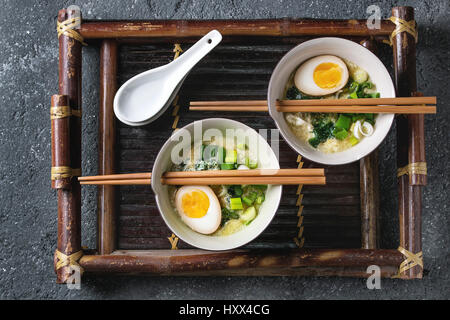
x: 325, y: 231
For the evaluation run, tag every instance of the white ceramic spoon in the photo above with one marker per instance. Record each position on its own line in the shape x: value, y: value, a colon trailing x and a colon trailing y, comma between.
x: 143, y: 98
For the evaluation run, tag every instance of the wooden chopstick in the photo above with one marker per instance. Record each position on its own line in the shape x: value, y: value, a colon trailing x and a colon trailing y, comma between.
x: 240, y: 108
x: 230, y: 103
x: 247, y: 173
x: 321, y: 102
x: 210, y: 177
x: 285, y: 180
x: 210, y: 173
x: 412, y: 109
x: 401, y: 105
x: 117, y: 182
x: 123, y: 176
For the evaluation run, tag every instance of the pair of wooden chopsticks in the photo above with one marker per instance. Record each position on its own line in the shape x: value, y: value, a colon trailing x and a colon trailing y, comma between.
x: 215, y: 177
x: 407, y: 105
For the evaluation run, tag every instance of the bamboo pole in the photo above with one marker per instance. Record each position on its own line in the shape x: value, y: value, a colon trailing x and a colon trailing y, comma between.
x: 196, y: 28
x: 60, y: 123
x: 106, y: 212
x: 369, y: 187
x: 245, y: 262
x: 69, y: 201
x: 410, y: 139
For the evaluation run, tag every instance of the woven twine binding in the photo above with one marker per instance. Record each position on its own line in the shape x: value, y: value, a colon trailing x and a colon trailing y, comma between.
x: 60, y: 112
x: 68, y: 260
x: 413, y: 168
x: 67, y: 28
x: 64, y: 172
x: 173, y: 239
x: 402, y: 26
x: 412, y: 260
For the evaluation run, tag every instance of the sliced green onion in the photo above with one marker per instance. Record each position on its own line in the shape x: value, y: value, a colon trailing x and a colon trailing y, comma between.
x: 343, y: 122
x: 366, y: 129
x: 260, y: 199
x: 354, y: 86
x: 249, y: 198
x: 252, y: 164
x: 231, y: 156
x: 248, y: 215
x: 247, y: 201
x: 353, y: 95
x: 353, y: 140
x: 235, y: 190
x: 227, y: 166
x: 236, y: 204
x: 340, y: 134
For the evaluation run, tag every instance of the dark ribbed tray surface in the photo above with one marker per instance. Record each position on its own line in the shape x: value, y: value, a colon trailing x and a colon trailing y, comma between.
x: 232, y: 71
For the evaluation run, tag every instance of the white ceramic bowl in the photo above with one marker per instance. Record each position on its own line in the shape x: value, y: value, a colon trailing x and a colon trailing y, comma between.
x: 344, y: 49
x: 163, y: 162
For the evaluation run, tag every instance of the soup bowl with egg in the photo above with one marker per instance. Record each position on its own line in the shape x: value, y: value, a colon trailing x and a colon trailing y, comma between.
x: 330, y: 68
x: 216, y: 217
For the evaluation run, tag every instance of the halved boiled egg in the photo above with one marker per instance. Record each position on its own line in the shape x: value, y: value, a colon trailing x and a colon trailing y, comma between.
x: 199, y: 208
x: 322, y: 75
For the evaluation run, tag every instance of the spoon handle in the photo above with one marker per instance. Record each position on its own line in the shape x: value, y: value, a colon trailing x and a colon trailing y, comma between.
x: 201, y: 48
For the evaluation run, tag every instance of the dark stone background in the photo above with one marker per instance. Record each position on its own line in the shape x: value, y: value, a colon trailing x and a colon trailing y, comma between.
x: 28, y: 77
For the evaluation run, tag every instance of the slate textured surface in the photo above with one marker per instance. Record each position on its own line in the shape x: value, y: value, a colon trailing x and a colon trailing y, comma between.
x: 28, y: 76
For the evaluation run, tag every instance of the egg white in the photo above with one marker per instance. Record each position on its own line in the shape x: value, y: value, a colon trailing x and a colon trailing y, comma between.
x: 210, y: 222
x: 304, y: 76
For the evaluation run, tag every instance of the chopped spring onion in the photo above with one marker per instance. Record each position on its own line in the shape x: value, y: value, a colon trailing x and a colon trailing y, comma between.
x: 248, y: 215
x: 260, y: 199
x: 343, y: 122
x: 227, y: 166
x: 340, y: 134
x: 231, y: 156
x: 247, y: 201
x: 353, y: 140
x: 249, y: 198
x: 235, y: 191
x: 356, y: 129
x: 252, y: 164
x: 236, y: 204
x: 353, y: 95
x: 366, y: 129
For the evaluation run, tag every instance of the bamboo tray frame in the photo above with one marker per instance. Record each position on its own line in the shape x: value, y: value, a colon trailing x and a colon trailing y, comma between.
x: 299, y: 261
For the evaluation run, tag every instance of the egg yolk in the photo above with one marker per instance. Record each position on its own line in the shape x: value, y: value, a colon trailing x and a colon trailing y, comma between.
x: 195, y: 204
x: 327, y: 75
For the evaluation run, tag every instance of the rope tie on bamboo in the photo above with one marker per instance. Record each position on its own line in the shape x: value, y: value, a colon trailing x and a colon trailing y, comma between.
x: 402, y: 26
x: 64, y: 172
x: 68, y: 260
x: 413, y: 168
x: 60, y: 112
x: 411, y: 260
x: 67, y: 28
